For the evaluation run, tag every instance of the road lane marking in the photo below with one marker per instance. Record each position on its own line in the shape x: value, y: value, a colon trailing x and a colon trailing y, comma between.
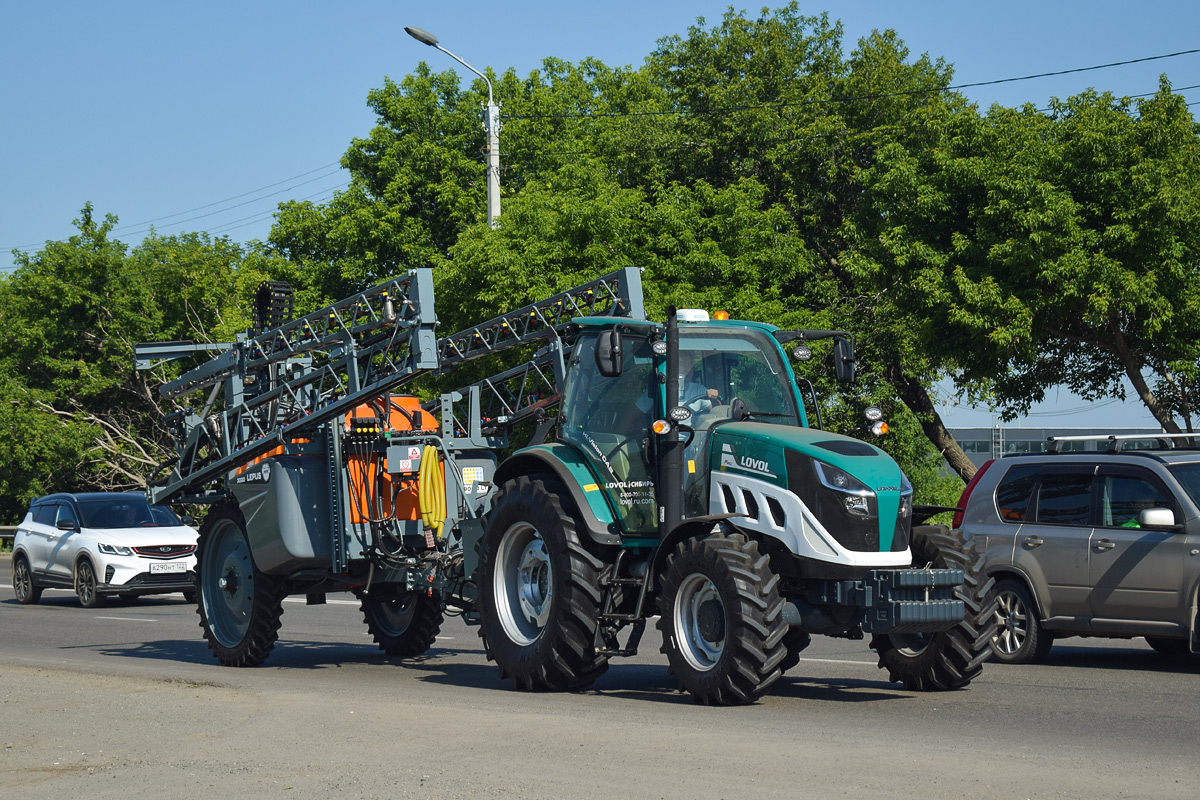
x: 327, y: 602
x: 130, y: 619
x: 839, y: 661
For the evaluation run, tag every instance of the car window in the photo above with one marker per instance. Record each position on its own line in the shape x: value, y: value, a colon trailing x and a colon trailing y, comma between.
x: 44, y: 514
x: 1065, y: 499
x: 1014, y: 492
x: 118, y: 512
x: 1123, y: 497
x: 1189, y: 476
x: 66, y: 514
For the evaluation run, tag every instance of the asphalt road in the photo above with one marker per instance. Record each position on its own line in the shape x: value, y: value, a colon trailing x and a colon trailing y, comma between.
x: 125, y: 701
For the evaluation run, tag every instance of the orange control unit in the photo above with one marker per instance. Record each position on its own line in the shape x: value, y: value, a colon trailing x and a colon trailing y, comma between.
x: 375, y: 493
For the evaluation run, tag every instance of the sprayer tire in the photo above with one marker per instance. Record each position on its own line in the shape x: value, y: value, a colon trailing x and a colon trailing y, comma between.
x: 539, y: 589
x: 721, y: 618
x: 239, y: 606
x: 950, y: 659
x: 403, y: 624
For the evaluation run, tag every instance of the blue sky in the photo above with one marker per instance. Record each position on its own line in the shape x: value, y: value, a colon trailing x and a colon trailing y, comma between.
x: 203, y: 116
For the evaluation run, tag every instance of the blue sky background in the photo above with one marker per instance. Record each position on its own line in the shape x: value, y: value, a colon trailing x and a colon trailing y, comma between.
x: 203, y: 116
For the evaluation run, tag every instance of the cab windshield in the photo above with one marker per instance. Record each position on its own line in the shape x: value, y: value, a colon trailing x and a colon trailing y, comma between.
x: 718, y: 366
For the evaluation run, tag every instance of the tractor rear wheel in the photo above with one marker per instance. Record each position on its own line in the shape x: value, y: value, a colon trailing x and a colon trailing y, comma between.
x: 539, y: 589
x: 721, y: 618
x: 948, y: 659
x: 239, y: 606
x: 403, y: 624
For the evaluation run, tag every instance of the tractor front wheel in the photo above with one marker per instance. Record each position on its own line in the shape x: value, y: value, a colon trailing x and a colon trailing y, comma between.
x: 721, y: 618
x: 947, y: 659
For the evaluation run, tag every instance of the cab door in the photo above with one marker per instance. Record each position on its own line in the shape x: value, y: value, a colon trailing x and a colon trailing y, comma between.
x: 607, y: 419
x: 1053, y: 549
x: 1137, y: 574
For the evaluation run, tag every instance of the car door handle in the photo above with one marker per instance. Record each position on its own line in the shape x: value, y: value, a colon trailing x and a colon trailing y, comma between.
x: 1033, y: 541
x: 1105, y: 544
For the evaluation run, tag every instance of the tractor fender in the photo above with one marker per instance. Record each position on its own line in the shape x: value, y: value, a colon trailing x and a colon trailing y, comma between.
x: 693, y: 527
x: 564, y: 464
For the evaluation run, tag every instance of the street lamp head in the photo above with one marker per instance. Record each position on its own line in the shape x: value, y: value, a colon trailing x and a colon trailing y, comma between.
x: 422, y: 36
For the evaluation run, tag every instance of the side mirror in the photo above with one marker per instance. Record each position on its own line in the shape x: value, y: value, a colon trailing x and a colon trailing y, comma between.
x: 188, y: 519
x: 843, y: 359
x: 66, y: 525
x: 1156, y: 518
x: 608, y: 353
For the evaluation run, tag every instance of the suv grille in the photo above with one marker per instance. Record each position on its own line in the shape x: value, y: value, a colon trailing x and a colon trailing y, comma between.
x: 165, y: 550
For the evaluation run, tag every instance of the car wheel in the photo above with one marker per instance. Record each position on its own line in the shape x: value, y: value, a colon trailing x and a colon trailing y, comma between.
x: 26, y: 590
x: 86, y: 585
x: 1020, y: 637
x: 190, y: 597
x: 1169, y: 647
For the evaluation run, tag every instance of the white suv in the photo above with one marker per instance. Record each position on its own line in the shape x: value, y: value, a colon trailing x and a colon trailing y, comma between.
x: 100, y: 544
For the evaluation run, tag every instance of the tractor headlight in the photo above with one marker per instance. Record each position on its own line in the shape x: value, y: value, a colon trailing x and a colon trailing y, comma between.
x: 852, y: 494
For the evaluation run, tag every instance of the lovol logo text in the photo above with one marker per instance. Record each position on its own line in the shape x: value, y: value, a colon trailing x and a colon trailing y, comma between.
x: 745, y: 463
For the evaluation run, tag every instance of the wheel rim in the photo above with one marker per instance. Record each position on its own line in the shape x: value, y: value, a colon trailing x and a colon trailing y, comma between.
x: 393, y: 615
x: 1012, y: 623
x: 22, y: 580
x: 227, y: 583
x: 524, y: 584
x: 700, y: 622
x: 910, y: 644
x: 87, y: 583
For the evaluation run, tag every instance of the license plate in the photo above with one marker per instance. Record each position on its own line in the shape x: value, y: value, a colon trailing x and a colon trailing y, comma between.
x: 167, y: 566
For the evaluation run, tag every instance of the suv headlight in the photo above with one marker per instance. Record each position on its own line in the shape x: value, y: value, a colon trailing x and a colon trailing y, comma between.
x: 855, y: 496
x: 115, y: 549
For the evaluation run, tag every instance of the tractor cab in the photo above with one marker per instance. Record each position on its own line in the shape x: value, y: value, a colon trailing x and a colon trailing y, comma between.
x: 728, y: 372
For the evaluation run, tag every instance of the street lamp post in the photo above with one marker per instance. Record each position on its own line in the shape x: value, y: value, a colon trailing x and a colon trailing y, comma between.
x: 491, y: 125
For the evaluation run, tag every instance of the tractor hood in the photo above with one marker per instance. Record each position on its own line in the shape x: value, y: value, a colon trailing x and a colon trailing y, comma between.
x: 853, y: 486
x: 759, y: 448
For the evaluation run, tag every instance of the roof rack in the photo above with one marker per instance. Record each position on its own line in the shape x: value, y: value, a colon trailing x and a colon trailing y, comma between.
x: 1166, y: 441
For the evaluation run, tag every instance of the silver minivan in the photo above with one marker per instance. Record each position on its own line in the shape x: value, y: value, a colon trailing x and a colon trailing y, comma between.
x: 1090, y: 543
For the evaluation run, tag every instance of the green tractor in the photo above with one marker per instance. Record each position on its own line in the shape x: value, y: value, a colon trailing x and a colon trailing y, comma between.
x: 685, y: 482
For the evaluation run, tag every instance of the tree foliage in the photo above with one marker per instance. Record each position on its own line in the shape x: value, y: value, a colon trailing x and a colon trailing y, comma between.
x: 761, y: 165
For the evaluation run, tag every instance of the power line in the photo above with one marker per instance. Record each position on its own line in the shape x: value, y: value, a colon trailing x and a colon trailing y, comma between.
x: 126, y: 228
x: 858, y: 98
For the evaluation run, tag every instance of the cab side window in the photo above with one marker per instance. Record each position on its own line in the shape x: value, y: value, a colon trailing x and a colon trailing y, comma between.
x: 45, y: 514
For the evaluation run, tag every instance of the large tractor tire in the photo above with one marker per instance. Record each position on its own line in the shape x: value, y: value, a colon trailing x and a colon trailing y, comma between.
x: 403, y: 624
x: 795, y: 641
x: 949, y: 659
x: 239, y: 606
x: 539, y: 589
x: 721, y: 618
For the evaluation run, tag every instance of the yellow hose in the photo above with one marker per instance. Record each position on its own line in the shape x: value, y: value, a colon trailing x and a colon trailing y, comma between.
x: 431, y: 491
